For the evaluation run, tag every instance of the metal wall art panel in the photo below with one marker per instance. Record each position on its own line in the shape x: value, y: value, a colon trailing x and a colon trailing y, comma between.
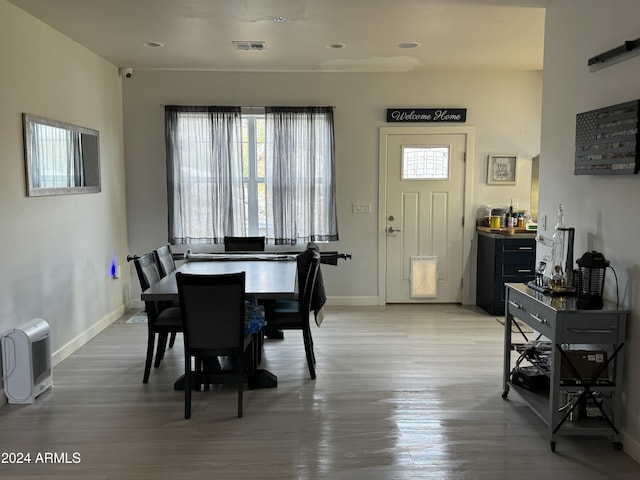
x: 607, y: 140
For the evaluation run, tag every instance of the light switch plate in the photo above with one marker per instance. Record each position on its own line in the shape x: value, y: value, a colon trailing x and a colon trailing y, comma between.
x: 361, y: 208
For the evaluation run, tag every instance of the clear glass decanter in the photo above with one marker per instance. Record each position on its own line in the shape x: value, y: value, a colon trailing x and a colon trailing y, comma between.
x: 557, y: 254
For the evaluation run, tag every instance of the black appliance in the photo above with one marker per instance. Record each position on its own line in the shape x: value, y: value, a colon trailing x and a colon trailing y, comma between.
x: 592, y: 267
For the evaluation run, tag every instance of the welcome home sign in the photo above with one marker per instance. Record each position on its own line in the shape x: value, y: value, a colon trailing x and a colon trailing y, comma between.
x: 433, y: 115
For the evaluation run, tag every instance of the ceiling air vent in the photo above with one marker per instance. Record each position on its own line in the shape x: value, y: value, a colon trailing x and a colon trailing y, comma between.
x: 244, y: 45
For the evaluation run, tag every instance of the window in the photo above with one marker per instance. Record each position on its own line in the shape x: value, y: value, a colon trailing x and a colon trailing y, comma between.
x: 253, y: 170
x: 235, y: 174
x: 300, y: 174
x: 425, y: 163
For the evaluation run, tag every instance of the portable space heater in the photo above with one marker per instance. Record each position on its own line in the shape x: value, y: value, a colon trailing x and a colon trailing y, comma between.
x: 591, y: 269
x: 26, y: 361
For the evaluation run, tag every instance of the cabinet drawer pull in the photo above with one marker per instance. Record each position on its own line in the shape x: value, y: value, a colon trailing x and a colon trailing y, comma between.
x: 611, y: 329
x: 538, y: 318
x: 514, y: 304
x: 525, y: 270
x: 525, y: 248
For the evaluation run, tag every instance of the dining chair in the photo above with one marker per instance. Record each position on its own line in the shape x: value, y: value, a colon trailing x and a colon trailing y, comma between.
x: 162, y: 319
x: 294, y: 314
x: 164, y: 260
x: 244, y: 244
x: 213, y: 308
x: 253, y: 244
x: 166, y: 265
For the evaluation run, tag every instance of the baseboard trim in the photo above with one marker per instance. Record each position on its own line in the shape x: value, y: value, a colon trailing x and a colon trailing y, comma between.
x: 67, y: 349
x: 631, y: 447
x: 330, y: 301
x: 136, y: 303
x: 345, y: 301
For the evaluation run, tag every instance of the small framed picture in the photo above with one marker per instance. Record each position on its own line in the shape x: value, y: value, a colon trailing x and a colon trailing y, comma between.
x: 501, y: 169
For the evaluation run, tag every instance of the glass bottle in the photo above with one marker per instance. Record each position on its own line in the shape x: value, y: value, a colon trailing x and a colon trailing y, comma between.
x: 557, y: 279
x: 510, y: 216
x: 558, y: 241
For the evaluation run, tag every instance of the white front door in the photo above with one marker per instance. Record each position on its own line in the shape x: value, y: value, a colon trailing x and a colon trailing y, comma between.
x: 425, y: 178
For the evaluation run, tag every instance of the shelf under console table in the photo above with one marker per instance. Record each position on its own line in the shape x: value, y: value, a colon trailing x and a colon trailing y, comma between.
x: 558, y: 323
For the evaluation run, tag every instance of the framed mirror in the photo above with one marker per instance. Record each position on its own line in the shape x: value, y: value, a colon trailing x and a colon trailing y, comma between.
x: 60, y: 158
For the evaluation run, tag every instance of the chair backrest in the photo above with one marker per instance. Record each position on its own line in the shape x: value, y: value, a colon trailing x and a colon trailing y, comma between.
x: 147, y: 270
x: 308, y: 266
x: 244, y: 244
x: 164, y: 259
x: 148, y: 274
x: 212, y: 309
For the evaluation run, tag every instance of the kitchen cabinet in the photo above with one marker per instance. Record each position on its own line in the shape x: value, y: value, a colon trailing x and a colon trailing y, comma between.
x: 502, y: 259
x: 563, y: 330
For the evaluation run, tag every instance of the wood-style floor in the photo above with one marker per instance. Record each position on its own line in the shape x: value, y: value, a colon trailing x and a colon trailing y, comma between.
x: 402, y: 392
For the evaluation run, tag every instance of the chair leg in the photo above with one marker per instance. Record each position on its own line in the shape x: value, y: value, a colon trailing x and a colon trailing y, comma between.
x: 240, y: 376
x: 187, y: 386
x: 147, y: 364
x: 308, y: 349
x: 258, y: 341
x: 172, y: 340
x: 200, y: 372
x: 208, y: 366
x: 162, y: 346
x: 312, y: 349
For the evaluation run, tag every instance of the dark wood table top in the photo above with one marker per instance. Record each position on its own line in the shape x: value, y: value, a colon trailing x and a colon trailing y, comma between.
x: 265, y: 279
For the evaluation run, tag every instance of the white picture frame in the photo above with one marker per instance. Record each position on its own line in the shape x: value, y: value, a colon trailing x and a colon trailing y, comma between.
x: 501, y: 169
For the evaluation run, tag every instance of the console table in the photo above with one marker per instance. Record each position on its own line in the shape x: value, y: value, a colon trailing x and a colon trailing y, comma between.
x: 558, y: 323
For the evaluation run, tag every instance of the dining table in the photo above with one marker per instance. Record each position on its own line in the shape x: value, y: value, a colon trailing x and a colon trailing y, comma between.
x: 267, y: 277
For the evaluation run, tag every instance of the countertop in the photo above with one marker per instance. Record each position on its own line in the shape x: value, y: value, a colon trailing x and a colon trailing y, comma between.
x: 504, y: 232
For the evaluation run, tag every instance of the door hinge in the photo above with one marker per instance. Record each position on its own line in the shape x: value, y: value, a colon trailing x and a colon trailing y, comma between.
x: 463, y: 220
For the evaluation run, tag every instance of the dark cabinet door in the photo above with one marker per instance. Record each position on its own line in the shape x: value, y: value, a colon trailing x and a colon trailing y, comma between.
x: 502, y: 260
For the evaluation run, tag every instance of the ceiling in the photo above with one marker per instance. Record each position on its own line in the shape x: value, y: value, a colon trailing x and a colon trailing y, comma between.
x: 199, y: 34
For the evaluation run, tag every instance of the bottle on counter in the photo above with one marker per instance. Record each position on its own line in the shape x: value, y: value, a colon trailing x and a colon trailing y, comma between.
x: 557, y: 279
x: 510, y: 217
x: 557, y: 253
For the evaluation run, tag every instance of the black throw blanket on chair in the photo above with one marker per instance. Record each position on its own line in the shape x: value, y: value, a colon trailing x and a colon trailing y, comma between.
x: 318, y: 296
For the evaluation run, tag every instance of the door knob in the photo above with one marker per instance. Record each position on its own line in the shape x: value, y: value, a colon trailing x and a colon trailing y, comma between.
x: 392, y: 230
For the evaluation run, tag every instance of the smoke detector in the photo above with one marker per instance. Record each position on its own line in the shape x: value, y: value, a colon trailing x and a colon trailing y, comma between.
x: 246, y: 45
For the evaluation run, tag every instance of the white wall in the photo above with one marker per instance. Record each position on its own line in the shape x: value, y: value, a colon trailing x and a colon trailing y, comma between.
x: 57, y: 250
x: 603, y: 209
x: 504, y: 107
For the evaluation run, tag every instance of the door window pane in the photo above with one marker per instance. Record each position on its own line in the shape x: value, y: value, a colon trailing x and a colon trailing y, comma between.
x: 425, y: 163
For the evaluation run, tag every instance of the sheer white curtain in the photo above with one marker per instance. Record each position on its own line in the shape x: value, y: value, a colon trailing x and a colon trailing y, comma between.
x: 300, y: 175
x: 204, y: 174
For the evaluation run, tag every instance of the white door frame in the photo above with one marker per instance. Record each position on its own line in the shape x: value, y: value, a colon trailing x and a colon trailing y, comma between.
x: 469, y: 223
